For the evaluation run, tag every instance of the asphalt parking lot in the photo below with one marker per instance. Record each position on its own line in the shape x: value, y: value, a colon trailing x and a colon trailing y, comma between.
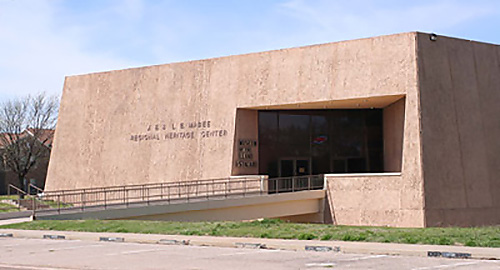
x: 43, y: 254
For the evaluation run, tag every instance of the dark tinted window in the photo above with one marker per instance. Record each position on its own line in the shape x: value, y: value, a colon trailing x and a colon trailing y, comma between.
x: 333, y: 141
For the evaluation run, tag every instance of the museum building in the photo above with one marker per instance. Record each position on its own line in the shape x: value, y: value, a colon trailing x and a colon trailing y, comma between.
x: 405, y: 128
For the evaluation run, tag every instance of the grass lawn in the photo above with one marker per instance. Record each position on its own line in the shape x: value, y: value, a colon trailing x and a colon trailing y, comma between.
x: 5, y: 207
x: 8, y: 197
x: 269, y: 228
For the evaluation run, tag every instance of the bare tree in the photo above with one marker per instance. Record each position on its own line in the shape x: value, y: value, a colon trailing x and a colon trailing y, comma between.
x: 24, y: 136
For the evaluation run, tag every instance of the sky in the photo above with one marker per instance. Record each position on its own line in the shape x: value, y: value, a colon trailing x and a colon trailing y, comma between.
x: 42, y: 41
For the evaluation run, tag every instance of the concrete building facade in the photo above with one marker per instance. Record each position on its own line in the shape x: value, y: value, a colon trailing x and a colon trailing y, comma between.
x: 404, y: 127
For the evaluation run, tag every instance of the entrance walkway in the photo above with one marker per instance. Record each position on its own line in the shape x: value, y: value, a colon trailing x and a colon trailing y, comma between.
x: 236, y: 198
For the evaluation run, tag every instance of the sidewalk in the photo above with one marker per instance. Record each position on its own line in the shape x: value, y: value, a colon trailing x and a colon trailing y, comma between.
x: 315, y: 245
x: 14, y: 220
x: 17, y: 214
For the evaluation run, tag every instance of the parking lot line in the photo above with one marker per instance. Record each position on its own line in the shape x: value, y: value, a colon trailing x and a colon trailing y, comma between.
x: 445, y: 266
x: 363, y: 258
x: 76, y: 247
x: 247, y: 252
x: 135, y: 251
x: 30, y: 267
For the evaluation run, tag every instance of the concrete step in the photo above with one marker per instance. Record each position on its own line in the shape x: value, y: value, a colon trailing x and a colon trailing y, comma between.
x: 27, y: 204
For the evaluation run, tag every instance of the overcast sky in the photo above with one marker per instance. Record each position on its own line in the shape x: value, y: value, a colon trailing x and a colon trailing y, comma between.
x: 42, y: 41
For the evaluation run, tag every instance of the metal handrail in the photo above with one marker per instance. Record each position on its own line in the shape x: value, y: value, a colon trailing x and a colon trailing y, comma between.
x: 296, y: 183
x: 140, y: 185
x: 81, y: 199
x: 19, y: 193
x: 37, y: 189
x: 18, y: 190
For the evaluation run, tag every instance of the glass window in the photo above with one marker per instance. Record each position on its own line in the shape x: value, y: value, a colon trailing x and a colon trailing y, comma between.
x: 320, y: 144
x: 294, y: 130
x: 333, y: 141
x: 268, y: 127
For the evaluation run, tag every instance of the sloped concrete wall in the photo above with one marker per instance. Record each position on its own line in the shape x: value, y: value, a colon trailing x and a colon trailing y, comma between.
x: 460, y: 111
x: 375, y: 200
x: 284, y: 205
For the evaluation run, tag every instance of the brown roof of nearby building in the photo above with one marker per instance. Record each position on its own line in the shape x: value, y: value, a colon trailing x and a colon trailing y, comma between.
x: 46, y: 136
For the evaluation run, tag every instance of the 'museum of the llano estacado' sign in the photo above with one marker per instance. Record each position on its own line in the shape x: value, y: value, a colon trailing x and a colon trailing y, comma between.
x: 246, y: 156
x: 403, y: 129
x: 179, y: 130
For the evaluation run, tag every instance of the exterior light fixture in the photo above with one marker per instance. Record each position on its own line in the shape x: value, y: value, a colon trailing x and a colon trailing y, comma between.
x: 433, y: 37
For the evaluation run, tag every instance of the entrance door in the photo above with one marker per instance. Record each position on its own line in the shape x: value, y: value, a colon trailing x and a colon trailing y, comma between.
x: 302, y: 167
x: 294, y: 167
x: 287, y: 167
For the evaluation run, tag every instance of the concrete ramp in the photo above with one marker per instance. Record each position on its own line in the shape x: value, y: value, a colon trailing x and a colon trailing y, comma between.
x: 292, y: 205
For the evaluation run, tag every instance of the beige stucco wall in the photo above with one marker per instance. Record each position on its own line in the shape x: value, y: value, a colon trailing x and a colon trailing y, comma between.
x: 393, y: 129
x: 460, y: 97
x: 100, y: 113
x: 375, y: 200
x: 246, y: 150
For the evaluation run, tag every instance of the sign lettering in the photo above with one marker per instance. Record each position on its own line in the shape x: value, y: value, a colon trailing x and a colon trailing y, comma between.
x: 179, y: 131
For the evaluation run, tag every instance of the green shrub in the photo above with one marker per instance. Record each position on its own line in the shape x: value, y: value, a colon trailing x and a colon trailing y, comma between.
x: 351, y: 237
x: 306, y: 236
x: 444, y: 241
x: 271, y: 221
x: 191, y: 232
x: 410, y: 240
x: 265, y: 235
x: 326, y: 237
x: 471, y: 243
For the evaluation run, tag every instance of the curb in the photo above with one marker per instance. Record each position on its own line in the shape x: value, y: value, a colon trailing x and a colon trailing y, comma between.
x: 455, y: 252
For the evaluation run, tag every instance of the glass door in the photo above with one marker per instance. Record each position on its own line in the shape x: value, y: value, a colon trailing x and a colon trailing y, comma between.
x: 294, y: 168
x: 302, y: 167
x: 287, y: 167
